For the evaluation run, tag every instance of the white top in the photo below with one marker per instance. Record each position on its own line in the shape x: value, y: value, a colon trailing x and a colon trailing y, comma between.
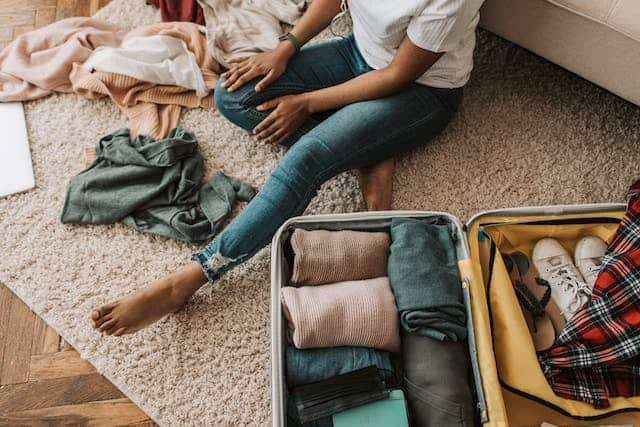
x: 437, y: 25
x: 159, y: 59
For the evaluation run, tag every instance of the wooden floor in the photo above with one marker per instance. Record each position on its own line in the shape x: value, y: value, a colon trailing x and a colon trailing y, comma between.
x: 43, y: 381
x: 20, y: 16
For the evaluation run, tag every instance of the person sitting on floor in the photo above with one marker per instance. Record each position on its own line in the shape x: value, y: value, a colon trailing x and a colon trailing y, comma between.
x: 350, y: 102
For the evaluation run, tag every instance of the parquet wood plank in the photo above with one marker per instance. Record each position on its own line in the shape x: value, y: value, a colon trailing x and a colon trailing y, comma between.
x: 45, y: 338
x: 17, y: 343
x: 64, y: 346
x: 45, y: 16
x: 116, y: 412
x: 6, y: 299
x: 14, y: 19
x: 25, y: 5
x: 56, y: 392
x: 94, y: 5
x: 66, y: 8
x: 83, y: 8
x: 6, y: 34
x: 58, y: 365
x: 21, y: 29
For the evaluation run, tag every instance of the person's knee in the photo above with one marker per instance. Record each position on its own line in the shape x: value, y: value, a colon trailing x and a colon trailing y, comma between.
x: 232, y: 105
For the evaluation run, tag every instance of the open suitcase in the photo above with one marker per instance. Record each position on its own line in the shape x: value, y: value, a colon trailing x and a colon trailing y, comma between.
x: 510, y: 388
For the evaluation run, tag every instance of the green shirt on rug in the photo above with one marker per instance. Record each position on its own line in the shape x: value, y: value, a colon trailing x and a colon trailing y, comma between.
x: 153, y: 186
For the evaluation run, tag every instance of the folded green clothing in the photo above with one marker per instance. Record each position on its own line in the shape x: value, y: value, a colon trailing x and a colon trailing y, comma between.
x: 424, y: 277
x: 153, y: 186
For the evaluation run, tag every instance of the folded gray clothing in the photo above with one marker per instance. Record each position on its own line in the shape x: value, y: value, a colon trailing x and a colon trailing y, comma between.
x: 436, y: 381
x: 153, y: 186
x: 423, y: 274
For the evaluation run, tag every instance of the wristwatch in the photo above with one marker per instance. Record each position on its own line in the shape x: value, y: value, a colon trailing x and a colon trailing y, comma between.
x: 293, y: 39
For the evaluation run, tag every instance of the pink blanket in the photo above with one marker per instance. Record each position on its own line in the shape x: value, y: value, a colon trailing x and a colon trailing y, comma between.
x: 39, y: 62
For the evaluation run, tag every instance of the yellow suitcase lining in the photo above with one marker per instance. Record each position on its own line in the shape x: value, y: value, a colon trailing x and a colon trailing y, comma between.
x: 501, y: 330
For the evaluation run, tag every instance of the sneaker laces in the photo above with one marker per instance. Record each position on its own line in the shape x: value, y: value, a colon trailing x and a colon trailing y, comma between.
x: 567, y: 280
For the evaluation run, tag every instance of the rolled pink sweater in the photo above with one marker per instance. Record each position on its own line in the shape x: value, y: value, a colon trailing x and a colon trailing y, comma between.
x: 359, y: 313
x: 323, y: 256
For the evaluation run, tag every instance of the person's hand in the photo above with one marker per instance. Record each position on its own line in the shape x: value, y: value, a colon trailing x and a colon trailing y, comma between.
x: 289, y: 112
x: 271, y: 65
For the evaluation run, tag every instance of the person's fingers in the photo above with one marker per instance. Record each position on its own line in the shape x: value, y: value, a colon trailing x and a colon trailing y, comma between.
x: 264, y: 124
x: 250, y: 74
x: 268, y: 105
x: 275, y: 126
x: 235, y: 75
x: 236, y: 66
x: 266, y: 81
x: 275, y: 137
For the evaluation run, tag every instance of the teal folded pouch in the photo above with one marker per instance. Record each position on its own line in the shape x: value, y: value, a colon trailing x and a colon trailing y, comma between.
x: 423, y: 274
x: 391, y: 411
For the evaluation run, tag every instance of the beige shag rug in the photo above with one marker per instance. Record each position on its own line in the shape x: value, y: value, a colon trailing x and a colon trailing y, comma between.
x: 528, y: 133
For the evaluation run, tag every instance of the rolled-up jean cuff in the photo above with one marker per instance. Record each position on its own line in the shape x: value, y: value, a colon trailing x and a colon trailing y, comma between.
x: 211, y: 273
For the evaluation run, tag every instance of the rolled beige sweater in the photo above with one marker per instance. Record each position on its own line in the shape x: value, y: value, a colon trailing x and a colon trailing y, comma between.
x: 358, y: 313
x: 323, y: 256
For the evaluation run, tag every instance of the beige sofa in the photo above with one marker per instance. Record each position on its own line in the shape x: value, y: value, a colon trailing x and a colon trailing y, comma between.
x: 596, y: 39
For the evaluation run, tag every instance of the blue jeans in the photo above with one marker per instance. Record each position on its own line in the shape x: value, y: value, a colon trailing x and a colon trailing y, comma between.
x: 356, y: 135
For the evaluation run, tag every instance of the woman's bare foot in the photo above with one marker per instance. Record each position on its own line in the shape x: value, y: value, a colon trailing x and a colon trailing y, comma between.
x: 376, y: 184
x: 149, y: 304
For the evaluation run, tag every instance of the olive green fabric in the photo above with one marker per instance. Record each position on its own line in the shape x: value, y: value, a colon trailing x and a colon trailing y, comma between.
x: 153, y: 186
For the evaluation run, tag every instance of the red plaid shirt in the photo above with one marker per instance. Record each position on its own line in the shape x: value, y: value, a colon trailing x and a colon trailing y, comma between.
x: 597, y: 356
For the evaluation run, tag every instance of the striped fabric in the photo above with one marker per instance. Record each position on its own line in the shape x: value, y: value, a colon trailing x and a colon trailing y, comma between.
x: 597, y: 356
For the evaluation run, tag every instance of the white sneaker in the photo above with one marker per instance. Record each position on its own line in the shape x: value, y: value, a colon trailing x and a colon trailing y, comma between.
x: 588, y: 257
x: 568, y: 289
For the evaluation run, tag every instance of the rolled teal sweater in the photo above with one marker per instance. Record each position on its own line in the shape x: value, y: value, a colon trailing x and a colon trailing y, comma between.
x: 424, y: 277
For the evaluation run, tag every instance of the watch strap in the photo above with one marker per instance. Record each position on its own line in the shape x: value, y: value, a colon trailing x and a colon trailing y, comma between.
x: 293, y: 39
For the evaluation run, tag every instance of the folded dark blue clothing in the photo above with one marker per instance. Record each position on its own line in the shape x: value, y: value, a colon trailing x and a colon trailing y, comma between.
x: 423, y: 273
x: 317, y: 364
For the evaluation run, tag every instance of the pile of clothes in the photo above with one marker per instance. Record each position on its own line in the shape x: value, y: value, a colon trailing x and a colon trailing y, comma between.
x: 360, y: 303
x: 150, y: 73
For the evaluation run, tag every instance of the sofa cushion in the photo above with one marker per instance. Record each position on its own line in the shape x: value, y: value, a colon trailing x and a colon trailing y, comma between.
x: 620, y: 15
x: 625, y: 17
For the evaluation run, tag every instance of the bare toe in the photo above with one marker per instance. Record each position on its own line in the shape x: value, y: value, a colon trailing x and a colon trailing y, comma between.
x: 100, y: 314
x: 119, y: 332
x: 107, y: 325
x: 100, y: 321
